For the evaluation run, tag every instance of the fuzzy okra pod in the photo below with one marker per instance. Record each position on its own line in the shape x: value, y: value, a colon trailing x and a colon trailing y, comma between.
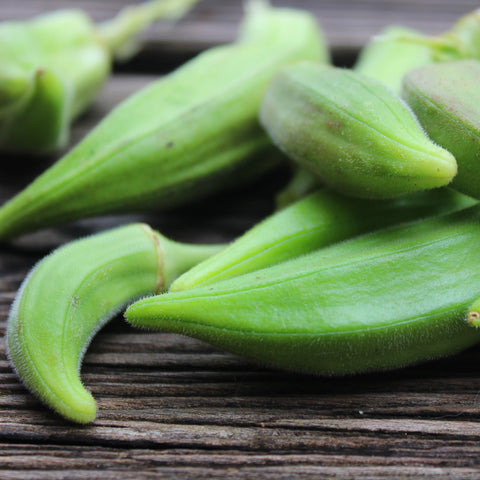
x: 446, y: 100
x: 72, y: 293
x: 52, y: 67
x: 186, y: 135
x: 388, y: 299
x: 316, y: 221
x: 385, y: 58
x: 352, y: 132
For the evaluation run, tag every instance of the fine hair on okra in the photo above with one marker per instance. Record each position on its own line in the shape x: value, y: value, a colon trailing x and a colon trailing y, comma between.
x: 184, y: 136
x: 70, y: 294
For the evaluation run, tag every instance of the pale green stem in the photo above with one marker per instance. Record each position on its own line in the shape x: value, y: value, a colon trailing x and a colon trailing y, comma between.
x: 118, y: 33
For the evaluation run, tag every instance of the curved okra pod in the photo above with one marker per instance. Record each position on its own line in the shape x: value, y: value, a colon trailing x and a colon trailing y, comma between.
x: 193, y: 134
x: 54, y: 65
x: 381, y: 301
x: 352, y: 132
x: 72, y: 293
x: 319, y: 220
x: 446, y: 100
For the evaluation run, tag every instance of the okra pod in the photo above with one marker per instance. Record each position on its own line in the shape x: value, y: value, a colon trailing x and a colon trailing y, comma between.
x: 385, y: 58
x: 319, y: 220
x: 72, y: 293
x: 385, y: 300
x: 53, y: 66
x: 184, y: 136
x: 352, y: 132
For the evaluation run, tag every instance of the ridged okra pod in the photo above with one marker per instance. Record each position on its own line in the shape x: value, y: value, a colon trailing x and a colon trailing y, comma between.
x: 72, y: 293
x: 385, y: 300
x: 186, y: 135
x: 446, y: 100
x: 54, y: 65
x: 319, y: 220
x: 386, y: 58
x: 352, y: 132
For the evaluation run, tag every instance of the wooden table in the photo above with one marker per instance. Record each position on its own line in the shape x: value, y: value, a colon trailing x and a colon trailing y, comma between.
x: 172, y: 407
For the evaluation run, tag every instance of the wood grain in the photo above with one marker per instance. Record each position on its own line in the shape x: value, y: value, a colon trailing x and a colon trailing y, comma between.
x: 173, y: 407
x: 348, y: 24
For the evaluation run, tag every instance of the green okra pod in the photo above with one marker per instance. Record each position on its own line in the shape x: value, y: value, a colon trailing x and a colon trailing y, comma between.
x: 387, y: 57
x: 186, y: 135
x: 53, y: 66
x: 446, y: 100
x: 385, y: 300
x: 352, y: 132
x: 319, y: 220
x: 72, y: 293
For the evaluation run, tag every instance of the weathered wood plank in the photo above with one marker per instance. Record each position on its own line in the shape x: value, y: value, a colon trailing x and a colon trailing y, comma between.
x: 281, y: 473
x: 348, y: 23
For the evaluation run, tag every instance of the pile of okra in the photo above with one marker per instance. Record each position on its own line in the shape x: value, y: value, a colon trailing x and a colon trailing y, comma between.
x: 370, y: 260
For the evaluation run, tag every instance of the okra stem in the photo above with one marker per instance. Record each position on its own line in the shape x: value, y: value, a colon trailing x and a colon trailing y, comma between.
x: 117, y: 33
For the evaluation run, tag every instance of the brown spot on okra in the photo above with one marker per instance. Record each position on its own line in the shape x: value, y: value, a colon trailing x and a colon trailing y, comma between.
x: 333, y: 124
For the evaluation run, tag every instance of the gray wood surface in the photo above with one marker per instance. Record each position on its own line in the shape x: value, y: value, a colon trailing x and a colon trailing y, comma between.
x: 173, y: 407
x: 348, y: 23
